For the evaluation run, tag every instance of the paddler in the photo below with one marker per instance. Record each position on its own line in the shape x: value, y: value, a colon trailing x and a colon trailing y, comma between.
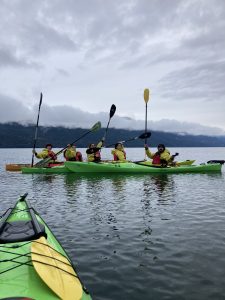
x: 71, y: 153
x: 119, y: 153
x: 94, y: 152
x: 161, y: 157
x: 46, y: 153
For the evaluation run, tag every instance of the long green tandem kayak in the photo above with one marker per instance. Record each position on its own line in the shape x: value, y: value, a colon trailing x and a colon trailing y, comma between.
x: 33, y: 264
x: 128, y: 167
x: 61, y: 169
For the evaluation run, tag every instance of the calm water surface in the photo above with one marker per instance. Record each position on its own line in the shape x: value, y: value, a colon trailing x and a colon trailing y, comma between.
x: 134, y: 236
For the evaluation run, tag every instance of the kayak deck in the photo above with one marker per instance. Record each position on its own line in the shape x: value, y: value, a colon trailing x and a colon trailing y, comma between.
x: 129, y: 167
x: 19, y: 275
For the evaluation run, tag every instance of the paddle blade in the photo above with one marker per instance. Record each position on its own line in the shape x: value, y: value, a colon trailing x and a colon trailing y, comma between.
x: 96, y: 127
x: 55, y: 270
x: 145, y: 135
x: 146, y: 95
x: 112, y: 111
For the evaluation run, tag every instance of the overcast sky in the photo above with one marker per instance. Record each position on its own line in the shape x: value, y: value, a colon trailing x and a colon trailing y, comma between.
x: 85, y: 55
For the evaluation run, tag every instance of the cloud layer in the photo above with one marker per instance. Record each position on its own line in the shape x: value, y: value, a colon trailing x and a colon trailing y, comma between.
x: 13, y: 110
x: 90, y: 54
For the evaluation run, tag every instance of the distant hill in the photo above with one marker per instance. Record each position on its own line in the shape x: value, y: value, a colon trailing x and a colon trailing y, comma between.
x: 14, y: 135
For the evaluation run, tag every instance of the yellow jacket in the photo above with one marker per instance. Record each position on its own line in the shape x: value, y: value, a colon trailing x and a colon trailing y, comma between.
x: 96, y: 154
x: 43, y: 154
x: 70, y: 152
x: 164, y: 156
x: 120, y: 154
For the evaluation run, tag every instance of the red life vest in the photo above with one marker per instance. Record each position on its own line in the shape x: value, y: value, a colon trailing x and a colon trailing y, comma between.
x: 97, y: 156
x: 156, y: 159
x: 115, y: 157
x: 52, y: 155
x: 78, y: 156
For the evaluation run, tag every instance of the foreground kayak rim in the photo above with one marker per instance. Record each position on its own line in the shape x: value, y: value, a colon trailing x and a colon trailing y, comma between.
x: 128, y: 167
x: 22, y: 231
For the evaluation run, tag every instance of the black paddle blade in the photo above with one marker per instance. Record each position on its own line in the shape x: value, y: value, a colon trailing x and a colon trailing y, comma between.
x: 145, y: 135
x: 215, y: 161
x: 112, y: 110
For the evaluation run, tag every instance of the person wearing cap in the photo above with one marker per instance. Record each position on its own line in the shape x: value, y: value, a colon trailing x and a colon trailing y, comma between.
x: 71, y: 153
x: 94, y: 152
x: 46, y: 153
x: 161, y: 157
x: 119, y: 153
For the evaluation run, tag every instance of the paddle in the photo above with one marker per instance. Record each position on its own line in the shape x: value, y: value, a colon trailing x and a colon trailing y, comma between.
x: 146, y: 99
x: 36, y: 130
x: 94, y: 128
x: 111, y: 114
x: 55, y: 270
x: 215, y: 161
x: 142, y: 136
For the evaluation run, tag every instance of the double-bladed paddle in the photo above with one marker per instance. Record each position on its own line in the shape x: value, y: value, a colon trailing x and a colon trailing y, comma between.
x: 145, y: 135
x: 36, y: 130
x: 45, y: 161
x: 146, y: 99
x: 111, y: 114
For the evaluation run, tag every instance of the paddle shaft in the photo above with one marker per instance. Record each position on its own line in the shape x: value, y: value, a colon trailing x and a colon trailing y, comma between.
x: 36, y: 130
x: 142, y: 136
x: 146, y: 117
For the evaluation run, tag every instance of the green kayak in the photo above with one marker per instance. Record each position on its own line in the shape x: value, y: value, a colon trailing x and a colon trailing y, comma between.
x: 129, y: 167
x: 33, y: 264
x: 48, y: 170
x: 61, y: 169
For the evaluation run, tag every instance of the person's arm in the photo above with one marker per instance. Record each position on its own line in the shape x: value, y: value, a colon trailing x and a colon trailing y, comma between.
x: 148, y: 152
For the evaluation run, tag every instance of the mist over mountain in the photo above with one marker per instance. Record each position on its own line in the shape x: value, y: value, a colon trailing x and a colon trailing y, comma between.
x: 15, y: 135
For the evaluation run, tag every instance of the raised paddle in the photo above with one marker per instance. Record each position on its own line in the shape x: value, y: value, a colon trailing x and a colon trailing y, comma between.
x: 111, y: 114
x: 45, y: 161
x: 55, y: 270
x: 146, y: 99
x: 145, y: 135
x: 36, y: 130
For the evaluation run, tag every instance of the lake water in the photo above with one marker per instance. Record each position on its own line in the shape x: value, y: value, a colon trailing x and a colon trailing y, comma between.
x: 134, y: 236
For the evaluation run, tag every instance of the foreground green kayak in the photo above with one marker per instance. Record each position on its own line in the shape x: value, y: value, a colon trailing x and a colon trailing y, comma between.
x: 129, y: 167
x: 33, y: 264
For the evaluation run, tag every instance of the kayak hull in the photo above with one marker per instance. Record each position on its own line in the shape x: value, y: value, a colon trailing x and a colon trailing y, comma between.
x: 62, y: 169
x: 128, y: 167
x: 19, y: 278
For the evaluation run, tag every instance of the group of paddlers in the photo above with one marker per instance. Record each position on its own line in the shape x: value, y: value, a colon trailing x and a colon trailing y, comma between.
x: 161, y: 156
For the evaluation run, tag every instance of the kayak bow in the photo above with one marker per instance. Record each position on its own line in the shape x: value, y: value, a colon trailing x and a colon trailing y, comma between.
x: 33, y: 264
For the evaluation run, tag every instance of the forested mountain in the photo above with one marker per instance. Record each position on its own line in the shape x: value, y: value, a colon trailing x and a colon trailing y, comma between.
x: 14, y: 135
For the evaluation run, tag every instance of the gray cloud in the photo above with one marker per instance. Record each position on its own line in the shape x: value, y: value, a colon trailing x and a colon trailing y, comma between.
x: 13, y: 110
x: 76, y: 48
x: 204, y: 82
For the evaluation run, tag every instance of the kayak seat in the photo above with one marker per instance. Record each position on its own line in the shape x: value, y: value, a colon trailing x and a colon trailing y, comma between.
x: 20, y: 231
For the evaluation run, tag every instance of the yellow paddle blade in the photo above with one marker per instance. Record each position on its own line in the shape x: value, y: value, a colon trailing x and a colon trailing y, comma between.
x: 55, y: 270
x: 146, y: 95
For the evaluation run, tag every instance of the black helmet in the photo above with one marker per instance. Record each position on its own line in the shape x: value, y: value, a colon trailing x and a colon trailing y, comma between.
x: 116, y: 145
x: 161, y: 146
